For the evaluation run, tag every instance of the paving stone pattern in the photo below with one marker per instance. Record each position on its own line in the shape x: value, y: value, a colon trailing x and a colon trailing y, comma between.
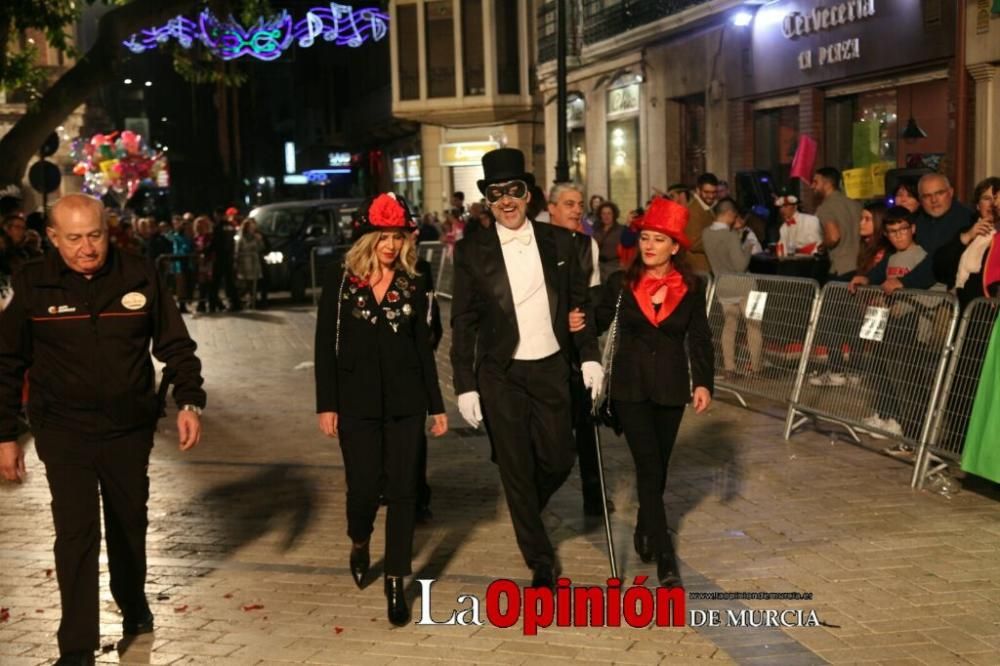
x: 248, y: 545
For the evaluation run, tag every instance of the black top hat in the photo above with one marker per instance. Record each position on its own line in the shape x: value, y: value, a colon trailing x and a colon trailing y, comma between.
x: 501, y: 165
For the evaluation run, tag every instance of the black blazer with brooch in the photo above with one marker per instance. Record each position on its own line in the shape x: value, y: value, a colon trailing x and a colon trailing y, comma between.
x: 482, y: 310
x: 385, y: 367
x: 650, y: 361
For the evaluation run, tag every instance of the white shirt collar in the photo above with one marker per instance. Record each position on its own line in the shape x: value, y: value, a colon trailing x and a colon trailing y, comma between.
x: 703, y: 204
x: 504, y: 233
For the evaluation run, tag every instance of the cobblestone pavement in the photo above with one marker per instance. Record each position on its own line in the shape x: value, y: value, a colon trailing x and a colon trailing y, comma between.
x: 248, y: 551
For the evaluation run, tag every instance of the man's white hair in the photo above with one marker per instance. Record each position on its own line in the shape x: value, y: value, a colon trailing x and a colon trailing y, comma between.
x: 556, y: 190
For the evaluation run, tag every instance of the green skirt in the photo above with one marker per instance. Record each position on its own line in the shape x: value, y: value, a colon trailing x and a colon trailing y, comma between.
x: 981, y: 455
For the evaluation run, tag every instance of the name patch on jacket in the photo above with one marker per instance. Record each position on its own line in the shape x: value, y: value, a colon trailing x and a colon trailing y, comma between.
x: 61, y: 309
x: 133, y: 300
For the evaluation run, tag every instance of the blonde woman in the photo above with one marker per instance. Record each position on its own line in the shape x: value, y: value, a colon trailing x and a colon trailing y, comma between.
x: 375, y: 383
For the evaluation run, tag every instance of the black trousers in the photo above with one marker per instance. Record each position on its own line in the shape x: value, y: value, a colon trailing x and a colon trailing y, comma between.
x: 380, y: 458
x: 88, y: 473
x: 526, y: 407
x: 586, y: 441
x: 423, y: 488
x: 651, y: 431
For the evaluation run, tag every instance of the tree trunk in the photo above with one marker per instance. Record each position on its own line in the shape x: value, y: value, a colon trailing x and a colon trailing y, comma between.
x: 94, y: 69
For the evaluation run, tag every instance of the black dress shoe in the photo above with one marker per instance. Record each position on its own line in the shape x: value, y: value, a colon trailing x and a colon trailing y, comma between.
x: 543, y: 575
x: 424, y: 514
x: 81, y: 658
x: 643, y: 548
x: 667, y: 571
x: 395, y: 596
x: 143, y: 624
x: 360, y: 560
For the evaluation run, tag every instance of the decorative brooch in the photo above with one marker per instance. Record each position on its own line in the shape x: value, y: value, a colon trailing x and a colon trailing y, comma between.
x: 397, y: 306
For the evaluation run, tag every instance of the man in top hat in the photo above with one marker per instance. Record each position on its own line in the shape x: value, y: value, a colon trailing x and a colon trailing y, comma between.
x: 515, y: 286
x: 800, y: 232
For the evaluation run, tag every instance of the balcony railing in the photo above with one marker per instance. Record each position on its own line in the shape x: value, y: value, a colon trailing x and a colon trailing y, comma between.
x: 603, y: 19
x: 547, y: 30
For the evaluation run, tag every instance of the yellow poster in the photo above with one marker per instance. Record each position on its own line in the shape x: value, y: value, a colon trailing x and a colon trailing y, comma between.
x: 858, y: 183
x: 866, y: 182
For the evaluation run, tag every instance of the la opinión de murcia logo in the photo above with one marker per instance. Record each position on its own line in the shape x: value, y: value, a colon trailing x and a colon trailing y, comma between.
x: 635, y: 606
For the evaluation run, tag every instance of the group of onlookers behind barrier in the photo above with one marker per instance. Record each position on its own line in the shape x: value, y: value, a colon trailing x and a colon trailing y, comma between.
x: 907, y: 370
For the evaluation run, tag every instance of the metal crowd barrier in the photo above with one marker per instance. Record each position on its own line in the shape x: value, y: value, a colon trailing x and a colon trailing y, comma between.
x: 887, y: 355
x: 446, y: 273
x: 760, y: 325
x: 961, y: 380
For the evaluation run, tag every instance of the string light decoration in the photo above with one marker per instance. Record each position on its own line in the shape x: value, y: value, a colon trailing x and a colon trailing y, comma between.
x: 268, y: 38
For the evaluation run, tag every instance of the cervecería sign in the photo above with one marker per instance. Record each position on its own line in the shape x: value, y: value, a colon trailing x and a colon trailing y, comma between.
x: 798, y: 43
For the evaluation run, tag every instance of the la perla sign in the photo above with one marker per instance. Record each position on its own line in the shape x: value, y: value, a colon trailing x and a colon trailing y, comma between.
x: 800, y: 24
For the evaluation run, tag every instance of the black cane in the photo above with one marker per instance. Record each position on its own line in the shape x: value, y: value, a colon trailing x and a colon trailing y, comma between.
x: 604, y: 499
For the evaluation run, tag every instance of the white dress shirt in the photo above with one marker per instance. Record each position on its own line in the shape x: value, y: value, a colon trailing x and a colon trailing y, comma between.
x: 537, y: 338
x: 805, y: 231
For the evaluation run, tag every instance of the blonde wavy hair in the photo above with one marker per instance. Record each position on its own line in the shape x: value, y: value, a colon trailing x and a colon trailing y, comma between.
x: 361, y: 260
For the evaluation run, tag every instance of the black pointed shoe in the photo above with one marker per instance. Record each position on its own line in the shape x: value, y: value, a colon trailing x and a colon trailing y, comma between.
x: 395, y: 596
x: 667, y: 571
x: 81, y: 658
x: 360, y: 561
x: 643, y: 548
x: 543, y: 575
x: 142, y: 624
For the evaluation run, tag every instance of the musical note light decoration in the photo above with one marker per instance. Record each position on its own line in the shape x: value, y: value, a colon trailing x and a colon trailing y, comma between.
x: 268, y: 38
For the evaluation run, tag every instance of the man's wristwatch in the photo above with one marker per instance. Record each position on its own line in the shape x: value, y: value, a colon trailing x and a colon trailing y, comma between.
x: 191, y: 408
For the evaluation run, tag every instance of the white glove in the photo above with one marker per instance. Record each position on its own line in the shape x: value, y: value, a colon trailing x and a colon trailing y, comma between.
x: 468, y: 406
x: 593, y: 378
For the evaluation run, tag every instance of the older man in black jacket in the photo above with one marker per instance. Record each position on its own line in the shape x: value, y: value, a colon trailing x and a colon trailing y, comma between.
x: 82, y: 320
x: 514, y: 288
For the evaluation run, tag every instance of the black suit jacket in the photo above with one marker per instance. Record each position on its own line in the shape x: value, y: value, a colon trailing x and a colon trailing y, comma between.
x: 386, y: 365
x: 483, y: 320
x: 651, y: 362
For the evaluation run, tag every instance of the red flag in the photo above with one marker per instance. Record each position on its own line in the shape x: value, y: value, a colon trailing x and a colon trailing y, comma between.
x: 805, y: 159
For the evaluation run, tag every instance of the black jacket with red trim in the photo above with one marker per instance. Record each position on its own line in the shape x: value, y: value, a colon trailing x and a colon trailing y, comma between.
x: 87, y: 346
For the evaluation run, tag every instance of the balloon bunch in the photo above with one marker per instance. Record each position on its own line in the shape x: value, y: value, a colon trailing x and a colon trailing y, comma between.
x: 119, y: 162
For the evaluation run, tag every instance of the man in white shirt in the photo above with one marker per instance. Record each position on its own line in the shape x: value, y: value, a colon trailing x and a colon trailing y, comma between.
x: 512, y: 349
x: 800, y: 232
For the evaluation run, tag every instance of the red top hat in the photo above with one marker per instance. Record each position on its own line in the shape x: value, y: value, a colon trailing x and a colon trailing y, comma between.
x: 666, y: 217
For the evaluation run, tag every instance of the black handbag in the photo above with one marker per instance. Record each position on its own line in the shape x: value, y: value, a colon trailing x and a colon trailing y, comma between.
x: 604, y: 410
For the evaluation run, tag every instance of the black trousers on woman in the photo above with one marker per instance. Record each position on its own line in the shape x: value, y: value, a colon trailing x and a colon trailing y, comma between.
x: 650, y: 431
x: 380, y: 457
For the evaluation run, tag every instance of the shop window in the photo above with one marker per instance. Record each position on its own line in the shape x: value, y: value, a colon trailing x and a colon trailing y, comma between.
x: 693, y: 138
x: 508, y: 45
x: 406, y: 46
x: 862, y: 130
x: 775, y: 138
x: 440, y: 48
x: 472, y: 47
x: 623, y: 163
x: 576, y: 110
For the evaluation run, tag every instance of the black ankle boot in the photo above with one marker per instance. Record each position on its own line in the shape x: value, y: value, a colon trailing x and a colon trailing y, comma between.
x: 667, y: 571
x: 395, y: 596
x: 360, y: 560
x: 643, y: 548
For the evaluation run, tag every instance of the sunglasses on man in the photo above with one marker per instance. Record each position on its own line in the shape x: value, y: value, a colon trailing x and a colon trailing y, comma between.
x: 515, y: 189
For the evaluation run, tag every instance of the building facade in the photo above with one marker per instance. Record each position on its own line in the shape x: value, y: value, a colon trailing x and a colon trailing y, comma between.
x: 461, y: 68
x: 662, y: 91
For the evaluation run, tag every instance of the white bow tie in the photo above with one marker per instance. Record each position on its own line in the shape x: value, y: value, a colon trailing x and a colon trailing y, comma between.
x: 523, y: 237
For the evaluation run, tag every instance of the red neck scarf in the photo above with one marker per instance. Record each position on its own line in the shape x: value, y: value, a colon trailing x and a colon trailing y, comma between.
x: 649, y: 285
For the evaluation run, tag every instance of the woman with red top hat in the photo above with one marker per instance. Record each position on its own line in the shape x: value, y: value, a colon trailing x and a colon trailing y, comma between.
x: 659, y: 305
x: 375, y: 383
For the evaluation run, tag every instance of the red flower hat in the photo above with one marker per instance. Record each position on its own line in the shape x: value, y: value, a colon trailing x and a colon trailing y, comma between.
x: 666, y: 217
x: 387, y: 212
